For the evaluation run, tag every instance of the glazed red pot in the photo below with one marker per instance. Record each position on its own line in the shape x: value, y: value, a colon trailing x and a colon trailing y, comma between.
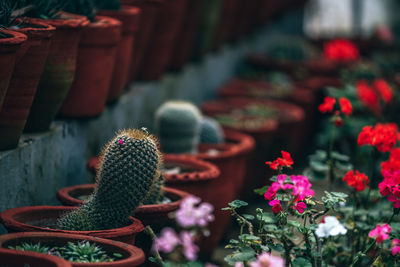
x: 15, y: 258
x: 129, y: 16
x: 149, y: 11
x: 184, y: 41
x: 131, y: 256
x: 147, y: 214
x: 226, y: 23
x: 26, y: 219
x: 96, y: 59
x: 24, y: 81
x: 58, y: 72
x: 161, y: 45
x: 9, y: 46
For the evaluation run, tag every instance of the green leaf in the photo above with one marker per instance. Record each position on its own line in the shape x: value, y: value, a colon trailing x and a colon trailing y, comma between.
x: 339, y: 194
x: 237, y: 204
x: 266, y: 217
x: 293, y: 223
x: 301, y: 262
x: 248, y: 217
x: 248, y: 238
x: 261, y: 191
x: 247, y: 254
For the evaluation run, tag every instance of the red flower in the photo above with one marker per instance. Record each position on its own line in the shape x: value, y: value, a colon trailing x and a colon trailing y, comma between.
x: 393, y: 163
x: 382, y: 136
x: 385, y: 91
x: 341, y: 51
x: 285, y: 161
x: 345, y: 106
x: 276, y: 205
x: 327, y: 106
x: 356, y: 179
x: 368, y: 96
x: 300, y: 207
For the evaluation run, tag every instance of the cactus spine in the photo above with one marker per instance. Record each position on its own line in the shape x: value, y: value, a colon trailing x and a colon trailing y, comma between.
x: 178, y: 126
x: 211, y: 131
x: 129, y: 168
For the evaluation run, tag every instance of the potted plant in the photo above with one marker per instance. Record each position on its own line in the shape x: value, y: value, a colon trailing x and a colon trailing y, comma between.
x: 95, y: 63
x: 28, y: 68
x: 21, y: 258
x: 130, y: 159
x: 130, y: 18
x: 78, y: 250
x: 60, y: 65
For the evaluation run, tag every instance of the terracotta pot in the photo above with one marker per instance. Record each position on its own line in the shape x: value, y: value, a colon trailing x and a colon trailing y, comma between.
x: 15, y: 258
x: 226, y: 23
x: 24, y: 81
x: 185, y: 40
x: 8, y: 51
x: 149, y: 11
x: 25, y: 219
x: 132, y: 256
x: 94, y: 70
x: 147, y: 214
x: 166, y: 29
x: 129, y: 16
x: 58, y: 72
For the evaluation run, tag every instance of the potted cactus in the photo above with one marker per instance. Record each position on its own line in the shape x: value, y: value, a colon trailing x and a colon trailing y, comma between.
x: 21, y: 258
x: 28, y: 68
x: 129, y: 174
x: 78, y: 250
x: 129, y: 16
x: 95, y: 64
x: 60, y: 65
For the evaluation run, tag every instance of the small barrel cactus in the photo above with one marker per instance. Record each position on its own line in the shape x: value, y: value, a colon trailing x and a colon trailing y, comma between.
x: 178, y: 126
x: 129, y: 168
x: 211, y: 131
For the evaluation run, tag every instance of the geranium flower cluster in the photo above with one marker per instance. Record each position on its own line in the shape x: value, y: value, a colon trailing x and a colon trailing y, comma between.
x: 390, y: 187
x: 356, y: 179
x: 285, y: 161
x: 341, y: 51
x: 265, y: 260
x: 299, y: 186
x: 191, y: 214
x: 330, y: 226
x: 382, y: 136
x: 371, y: 94
x: 380, y: 232
x: 393, y: 163
x: 329, y: 104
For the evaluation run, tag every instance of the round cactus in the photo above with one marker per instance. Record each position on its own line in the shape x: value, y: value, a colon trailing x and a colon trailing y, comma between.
x: 211, y: 131
x: 129, y: 168
x: 156, y: 192
x: 178, y: 126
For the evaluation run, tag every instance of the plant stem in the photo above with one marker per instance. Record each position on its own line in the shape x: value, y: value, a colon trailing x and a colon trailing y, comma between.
x: 330, y: 159
x: 359, y: 254
x: 153, y: 236
x: 242, y: 219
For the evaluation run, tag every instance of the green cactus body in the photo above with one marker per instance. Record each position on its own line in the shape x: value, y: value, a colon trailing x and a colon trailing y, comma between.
x: 178, y: 126
x: 156, y: 192
x: 211, y: 131
x: 130, y: 165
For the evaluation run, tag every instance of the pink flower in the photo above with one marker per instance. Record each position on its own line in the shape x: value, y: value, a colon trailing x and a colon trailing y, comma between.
x: 390, y: 187
x: 395, y: 247
x: 267, y: 260
x: 239, y: 264
x: 301, y: 187
x: 167, y: 241
x: 381, y: 232
x: 276, y: 205
x: 190, y: 215
x: 189, y: 247
x: 300, y: 207
x: 276, y: 186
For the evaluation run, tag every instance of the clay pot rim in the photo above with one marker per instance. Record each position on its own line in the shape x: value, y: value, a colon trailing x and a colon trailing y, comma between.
x: 66, y: 20
x: 8, y: 219
x: 129, y: 16
x: 105, y: 22
x: 245, y: 143
x: 135, y: 255
x: 45, y: 31
x: 64, y: 195
x: 50, y: 259
x: 207, y: 171
x: 16, y: 38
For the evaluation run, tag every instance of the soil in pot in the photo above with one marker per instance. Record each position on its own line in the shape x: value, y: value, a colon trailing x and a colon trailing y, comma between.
x: 96, y: 59
x: 43, y: 219
x: 165, y: 32
x: 130, y: 18
x: 149, y: 12
x: 59, y: 71
x: 14, y: 258
x: 24, y: 81
x: 10, y: 43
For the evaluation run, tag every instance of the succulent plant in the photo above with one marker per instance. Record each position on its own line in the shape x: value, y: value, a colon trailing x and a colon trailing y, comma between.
x: 6, y: 8
x: 84, y: 252
x: 44, y: 9
x: 108, y: 4
x: 38, y: 247
x: 211, y: 131
x: 81, y: 7
x: 178, y: 126
x: 129, y: 168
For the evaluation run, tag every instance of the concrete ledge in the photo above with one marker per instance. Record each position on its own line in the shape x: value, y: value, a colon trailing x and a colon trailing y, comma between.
x: 45, y: 162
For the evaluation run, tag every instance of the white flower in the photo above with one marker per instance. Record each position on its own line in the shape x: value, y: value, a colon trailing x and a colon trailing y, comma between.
x: 330, y: 227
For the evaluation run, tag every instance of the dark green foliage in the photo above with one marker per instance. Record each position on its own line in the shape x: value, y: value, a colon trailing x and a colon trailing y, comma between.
x: 81, y: 7
x: 178, y: 126
x: 130, y: 166
x: 290, y: 48
x: 32, y: 248
x: 108, y: 4
x: 155, y: 194
x: 211, y: 132
x: 6, y: 8
x: 44, y: 9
